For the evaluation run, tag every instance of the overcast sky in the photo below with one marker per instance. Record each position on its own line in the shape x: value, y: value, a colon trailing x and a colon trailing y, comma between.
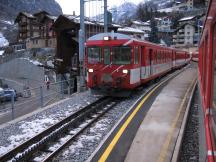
x: 68, y: 6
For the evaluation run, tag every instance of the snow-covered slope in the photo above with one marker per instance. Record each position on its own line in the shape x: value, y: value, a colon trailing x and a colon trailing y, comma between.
x: 124, y: 11
x: 3, y: 41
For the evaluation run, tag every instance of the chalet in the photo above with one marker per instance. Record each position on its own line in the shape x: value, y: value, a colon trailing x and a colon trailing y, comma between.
x: 144, y: 26
x: 186, y: 36
x: 25, y: 22
x: 164, y: 24
x: 34, y: 30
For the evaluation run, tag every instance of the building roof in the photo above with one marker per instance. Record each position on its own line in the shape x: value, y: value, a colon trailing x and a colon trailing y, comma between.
x: 76, y: 19
x: 187, y: 18
x: 130, y: 30
x: 140, y: 23
x: 52, y: 17
x: 42, y: 12
x: 28, y: 15
x: 182, y: 26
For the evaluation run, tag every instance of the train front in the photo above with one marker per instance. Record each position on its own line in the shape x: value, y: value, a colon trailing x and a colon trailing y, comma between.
x: 108, y: 61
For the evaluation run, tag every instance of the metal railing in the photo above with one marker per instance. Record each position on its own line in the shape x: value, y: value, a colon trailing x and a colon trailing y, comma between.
x: 31, y: 99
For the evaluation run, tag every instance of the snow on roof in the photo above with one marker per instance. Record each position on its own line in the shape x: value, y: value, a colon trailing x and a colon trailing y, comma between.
x: 157, y: 18
x: 187, y: 18
x: 87, y: 21
x: 116, y: 25
x: 28, y: 14
x: 130, y: 30
x: 52, y: 17
x: 137, y: 22
x: 166, y: 10
x: 146, y: 23
x: 140, y: 23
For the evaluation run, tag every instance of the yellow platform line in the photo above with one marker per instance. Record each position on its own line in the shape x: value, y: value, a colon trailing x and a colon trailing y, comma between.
x: 163, y: 153
x: 108, y: 150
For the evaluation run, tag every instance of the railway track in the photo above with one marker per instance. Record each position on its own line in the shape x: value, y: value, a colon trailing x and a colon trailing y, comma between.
x: 47, y: 144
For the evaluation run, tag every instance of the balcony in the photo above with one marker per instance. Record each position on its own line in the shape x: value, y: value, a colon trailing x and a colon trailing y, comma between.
x: 23, y: 30
x: 23, y: 23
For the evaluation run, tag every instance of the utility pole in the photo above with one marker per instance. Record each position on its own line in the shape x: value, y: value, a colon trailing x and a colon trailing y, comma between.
x: 81, y: 77
x: 81, y: 47
x: 105, y: 17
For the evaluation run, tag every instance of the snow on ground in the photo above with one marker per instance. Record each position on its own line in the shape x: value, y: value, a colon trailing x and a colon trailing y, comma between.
x: 35, y: 62
x: 3, y: 41
x: 14, y: 134
x: 86, y: 144
x: 50, y: 63
x: 7, y: 22
x: 1, y: 53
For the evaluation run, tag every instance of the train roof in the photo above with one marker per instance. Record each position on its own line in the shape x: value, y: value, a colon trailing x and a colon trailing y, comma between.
x: 113, y: 35
x: 129, y: 40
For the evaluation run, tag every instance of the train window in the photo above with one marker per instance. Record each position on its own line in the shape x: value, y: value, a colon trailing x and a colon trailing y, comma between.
x: 94, y: 55
x: 159, y: 57
x: 121, y: 55
x: 136, y: 55
x: 106, y: 55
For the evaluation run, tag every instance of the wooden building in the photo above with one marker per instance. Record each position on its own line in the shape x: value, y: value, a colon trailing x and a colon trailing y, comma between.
x: 35, y: 30
x: 67, y: 32
x: 25, y: 22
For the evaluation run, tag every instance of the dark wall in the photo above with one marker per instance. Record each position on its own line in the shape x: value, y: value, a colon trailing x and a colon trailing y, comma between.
x: 66, y: 49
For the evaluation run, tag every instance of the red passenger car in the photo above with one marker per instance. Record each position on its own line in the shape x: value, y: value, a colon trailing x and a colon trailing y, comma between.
x: 207, y: 79
x: 117, y: 64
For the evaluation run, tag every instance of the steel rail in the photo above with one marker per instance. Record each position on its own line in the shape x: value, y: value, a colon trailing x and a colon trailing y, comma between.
x: 73, y: 137
x: 24, y: 151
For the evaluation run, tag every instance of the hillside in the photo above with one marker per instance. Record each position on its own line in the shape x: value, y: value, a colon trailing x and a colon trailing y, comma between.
x: 123, y: 12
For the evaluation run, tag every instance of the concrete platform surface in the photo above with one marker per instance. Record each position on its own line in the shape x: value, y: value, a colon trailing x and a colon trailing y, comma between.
x: 156, y: 137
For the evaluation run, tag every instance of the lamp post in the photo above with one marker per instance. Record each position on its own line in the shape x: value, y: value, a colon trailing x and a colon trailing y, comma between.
x: 81, y: 78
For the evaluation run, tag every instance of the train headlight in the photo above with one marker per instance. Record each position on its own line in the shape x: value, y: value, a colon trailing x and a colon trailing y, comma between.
x: 106, y: 38
x: 125, y: 71
x: 91, y: 70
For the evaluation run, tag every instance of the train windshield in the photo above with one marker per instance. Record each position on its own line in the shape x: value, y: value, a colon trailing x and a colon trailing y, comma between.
x: 121, y: 55
x: 94, y: 55
x: 106, y: 55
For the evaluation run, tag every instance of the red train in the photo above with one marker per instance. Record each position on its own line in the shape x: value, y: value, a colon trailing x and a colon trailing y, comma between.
x: 117, y: 64
x: 207, y: 79
x: 195, y: 56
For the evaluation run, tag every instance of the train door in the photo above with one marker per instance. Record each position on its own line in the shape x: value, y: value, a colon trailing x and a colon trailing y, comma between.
x: 144, y: 63
x: 213, y: 88
x: 173, y: 58
x: 151, y: 61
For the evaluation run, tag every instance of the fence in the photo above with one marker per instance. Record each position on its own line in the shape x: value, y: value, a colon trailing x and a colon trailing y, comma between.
x: 31, y: 99
x: 8, y: 57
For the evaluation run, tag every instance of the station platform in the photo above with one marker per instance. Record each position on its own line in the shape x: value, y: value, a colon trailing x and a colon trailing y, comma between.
x: 155, y: 138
